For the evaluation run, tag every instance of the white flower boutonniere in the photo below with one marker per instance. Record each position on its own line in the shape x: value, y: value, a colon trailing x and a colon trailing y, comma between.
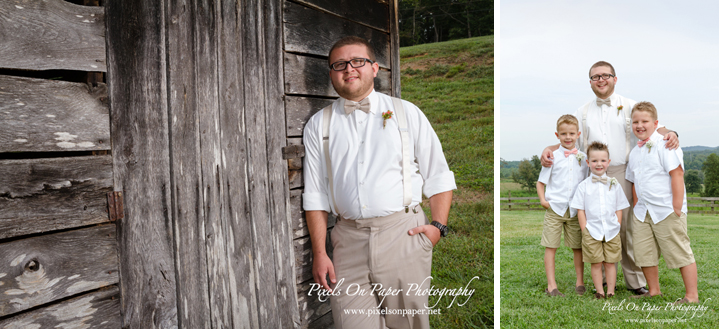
x: 613, y: 182
x: 649, y: 145
x: 580, y: 157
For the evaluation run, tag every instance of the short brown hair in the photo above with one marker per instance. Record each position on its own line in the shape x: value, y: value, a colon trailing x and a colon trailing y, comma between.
x: 567, y: 119
x: 352, y: 40
x: 597, y: 146
x: 602, y: 63
x: 646, y: 107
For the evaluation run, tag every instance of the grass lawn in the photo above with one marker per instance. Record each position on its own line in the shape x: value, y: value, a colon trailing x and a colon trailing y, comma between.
x: 523, y: 280
x: 453, y: 84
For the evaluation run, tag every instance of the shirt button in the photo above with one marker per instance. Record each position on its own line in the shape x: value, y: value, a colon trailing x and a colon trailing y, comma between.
x: 361, y: 183
x: 361, y: 122
x: 364, y: 207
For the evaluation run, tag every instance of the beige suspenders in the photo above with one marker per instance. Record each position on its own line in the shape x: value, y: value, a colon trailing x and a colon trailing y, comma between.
x: 404, y: 134
x: 627, y: 125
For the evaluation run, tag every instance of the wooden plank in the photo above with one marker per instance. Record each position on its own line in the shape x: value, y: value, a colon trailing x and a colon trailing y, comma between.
x: 299, y: 110
x: 138, y: 90
x: 51, y: 35
x: 190, y: 249
x: 310, y: 76
x: 40, y: 195
x: 99, y: 309
x: 49, y: 115
x: 277, y: 171
x: 373, y: 13
x: 294, y: 169
x: 323, y: 322
x: 299, y: 225
x: 42, y: 269
x: 310, y: 31
x: 394, y: 48
x: 310, y: 306
x: 303, y: 256
x: 255, y: 75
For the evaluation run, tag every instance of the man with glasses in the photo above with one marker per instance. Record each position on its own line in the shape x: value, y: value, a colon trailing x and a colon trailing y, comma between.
x: 607, y: 119
x: 368, y: 159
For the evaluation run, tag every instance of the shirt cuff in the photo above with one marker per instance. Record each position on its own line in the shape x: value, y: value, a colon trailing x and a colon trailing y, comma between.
x: 315, y: 201
x: 439, y: 183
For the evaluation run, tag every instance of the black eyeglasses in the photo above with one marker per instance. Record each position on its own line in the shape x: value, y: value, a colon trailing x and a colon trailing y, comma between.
x: 603, y: 76
x: 355, y: 62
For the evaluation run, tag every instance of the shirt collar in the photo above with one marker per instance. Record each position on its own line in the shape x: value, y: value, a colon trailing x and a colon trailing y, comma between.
x: 656, y: 136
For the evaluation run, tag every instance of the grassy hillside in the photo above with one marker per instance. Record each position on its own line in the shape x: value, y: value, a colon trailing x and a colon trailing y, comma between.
x: 453, y: 83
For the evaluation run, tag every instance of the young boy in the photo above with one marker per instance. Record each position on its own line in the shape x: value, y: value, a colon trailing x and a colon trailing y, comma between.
x: 599, y: 201
x: 561, y: 180
x: 660, y: 205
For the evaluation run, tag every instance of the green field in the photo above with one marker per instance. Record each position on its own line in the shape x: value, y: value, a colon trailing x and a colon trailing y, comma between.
x: 453, y: 84
x: 524, y: 304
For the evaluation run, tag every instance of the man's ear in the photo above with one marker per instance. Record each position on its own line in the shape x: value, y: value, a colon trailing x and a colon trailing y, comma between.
x: 375, y: 68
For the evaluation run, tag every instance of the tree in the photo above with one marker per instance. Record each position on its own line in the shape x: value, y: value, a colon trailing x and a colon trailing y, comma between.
x: 711, y: 176
x: 528, y: 173
x: 693, y: 181
x: 424, y: 21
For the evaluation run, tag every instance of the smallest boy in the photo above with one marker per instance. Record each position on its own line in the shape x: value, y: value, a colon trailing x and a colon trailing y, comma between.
x: 599, y: 201
x: 561, y: 180
x: 660, y: 209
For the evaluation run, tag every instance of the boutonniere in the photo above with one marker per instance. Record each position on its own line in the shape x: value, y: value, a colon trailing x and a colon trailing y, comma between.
x: 385, y: 116
x: 649, y: 145
x: 613, y: 182
x: 619, y: 109
x: 580, y: 157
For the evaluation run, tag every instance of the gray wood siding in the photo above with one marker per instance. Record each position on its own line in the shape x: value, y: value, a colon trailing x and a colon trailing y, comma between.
x: 40, y: 195
x: 51, y: 35
x: 42, y: 269
x: 47, y: 115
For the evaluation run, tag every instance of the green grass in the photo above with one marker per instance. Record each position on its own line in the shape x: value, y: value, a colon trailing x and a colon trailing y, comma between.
x: 523, y: 280
x: 453, y: 84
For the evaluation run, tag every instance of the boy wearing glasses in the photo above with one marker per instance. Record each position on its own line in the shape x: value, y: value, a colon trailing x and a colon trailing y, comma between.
x: 369, y: 165
x: 660, y: 205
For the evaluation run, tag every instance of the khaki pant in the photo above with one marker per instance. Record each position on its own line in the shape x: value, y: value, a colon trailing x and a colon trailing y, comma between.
x: 633, y: 275
x: 379, y: 251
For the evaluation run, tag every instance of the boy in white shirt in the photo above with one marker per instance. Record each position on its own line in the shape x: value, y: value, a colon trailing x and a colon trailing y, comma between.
x: 561, y: 180
x: 599, y: 201
x: 660, y: 209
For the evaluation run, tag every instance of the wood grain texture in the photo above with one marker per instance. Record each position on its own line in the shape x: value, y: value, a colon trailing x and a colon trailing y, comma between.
x: 322, y: 322
x: 39, y: 270
x: 294, y: 169
x: 299, y: 224
x: 99, y: 309
x: 190, y: 250
x: 299, y: 110
x: 40, y: 195
x: 49, y: 115
x: 303, y: 255
x: 310, y: 307
x: 310, y: 76
x: 371, y: 13
x: 139, y: 122
x: 394, y: 47
x: 51, y: 35
x: 310, y: 31
x: 279, y: 208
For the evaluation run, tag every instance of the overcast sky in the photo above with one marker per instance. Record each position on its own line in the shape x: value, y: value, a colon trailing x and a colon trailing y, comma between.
x: 665, y: 52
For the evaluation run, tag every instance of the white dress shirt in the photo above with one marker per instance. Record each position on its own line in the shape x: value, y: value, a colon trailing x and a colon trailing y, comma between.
x: 367, y: 161
x: 562, y: 179
x: 600, y: 203
x: 606, y: 126
x: 649, y: 170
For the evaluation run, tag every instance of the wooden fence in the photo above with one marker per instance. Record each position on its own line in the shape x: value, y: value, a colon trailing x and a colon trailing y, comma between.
x: 695, y: 205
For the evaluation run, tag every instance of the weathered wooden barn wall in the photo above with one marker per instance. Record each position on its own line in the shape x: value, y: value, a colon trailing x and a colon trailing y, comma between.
x: 58, y: 249
x: 310, y: 29
x: 197, y: 124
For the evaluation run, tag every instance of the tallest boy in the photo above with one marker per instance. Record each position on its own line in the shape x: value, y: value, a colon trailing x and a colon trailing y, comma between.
x: 606, y: 119
x: 369, y: 164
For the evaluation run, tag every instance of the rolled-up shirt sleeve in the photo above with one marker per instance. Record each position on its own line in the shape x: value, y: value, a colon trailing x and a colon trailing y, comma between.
x: 428, y: 154
x: 315, y: 196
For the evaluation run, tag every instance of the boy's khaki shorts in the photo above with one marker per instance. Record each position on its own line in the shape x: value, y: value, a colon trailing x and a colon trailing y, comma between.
x: 669, y: 237
x: 595, y: 251
x: 552, y: 232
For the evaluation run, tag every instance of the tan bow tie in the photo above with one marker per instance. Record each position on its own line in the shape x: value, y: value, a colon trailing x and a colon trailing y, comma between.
x: 602, y: 180
x: 607, y: 102
x: 362, y: 105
